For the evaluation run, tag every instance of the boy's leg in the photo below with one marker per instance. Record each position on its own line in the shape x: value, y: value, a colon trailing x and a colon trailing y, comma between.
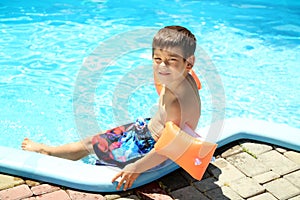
x: 71, y: 151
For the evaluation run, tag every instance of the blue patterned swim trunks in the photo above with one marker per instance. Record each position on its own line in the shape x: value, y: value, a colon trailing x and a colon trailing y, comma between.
x: 124, y: 144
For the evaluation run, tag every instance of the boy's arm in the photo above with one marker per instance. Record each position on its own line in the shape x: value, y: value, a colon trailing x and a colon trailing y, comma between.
x: 150, y: 160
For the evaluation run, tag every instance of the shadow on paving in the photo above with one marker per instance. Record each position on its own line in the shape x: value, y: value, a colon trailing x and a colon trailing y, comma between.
x: 180, y: 185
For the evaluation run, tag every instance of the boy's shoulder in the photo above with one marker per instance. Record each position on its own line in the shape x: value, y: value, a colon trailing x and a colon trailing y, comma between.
x: 185, y: 90
x: 188, y: 86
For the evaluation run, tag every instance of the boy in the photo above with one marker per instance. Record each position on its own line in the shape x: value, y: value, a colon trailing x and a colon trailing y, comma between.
x: 173, y: 50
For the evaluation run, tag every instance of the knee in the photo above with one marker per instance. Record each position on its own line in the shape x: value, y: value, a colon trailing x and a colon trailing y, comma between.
x: 87, y: 143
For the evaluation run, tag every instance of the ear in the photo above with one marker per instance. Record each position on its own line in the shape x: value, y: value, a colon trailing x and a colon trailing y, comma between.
x: 190, y: 62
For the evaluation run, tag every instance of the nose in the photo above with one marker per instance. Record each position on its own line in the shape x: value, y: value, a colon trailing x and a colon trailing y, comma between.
x: 163, y: 63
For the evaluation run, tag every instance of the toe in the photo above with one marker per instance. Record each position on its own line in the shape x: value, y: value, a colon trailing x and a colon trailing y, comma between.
x: 24, y: 143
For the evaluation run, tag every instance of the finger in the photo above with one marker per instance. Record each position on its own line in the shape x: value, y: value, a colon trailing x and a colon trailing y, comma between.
x: 130, y: 182
x: 117, y: 176
x: 121, y: 183
x: 127, y: 185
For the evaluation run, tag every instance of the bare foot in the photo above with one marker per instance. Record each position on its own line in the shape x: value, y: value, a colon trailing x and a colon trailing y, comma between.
x: 30, y: 145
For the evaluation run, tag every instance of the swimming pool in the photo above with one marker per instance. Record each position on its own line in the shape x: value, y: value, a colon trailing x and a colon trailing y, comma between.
x: 45, y: 46
x: 254, y: 47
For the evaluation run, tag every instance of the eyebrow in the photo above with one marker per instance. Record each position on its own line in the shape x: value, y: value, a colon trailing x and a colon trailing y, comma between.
x: 174, y: 55
x: 170, y: 55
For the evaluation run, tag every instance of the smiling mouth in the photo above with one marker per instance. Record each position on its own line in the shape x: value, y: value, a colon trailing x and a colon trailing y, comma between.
x: 164, y: 73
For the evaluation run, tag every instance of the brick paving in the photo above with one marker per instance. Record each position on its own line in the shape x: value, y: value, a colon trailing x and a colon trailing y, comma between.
x: 242, y: 170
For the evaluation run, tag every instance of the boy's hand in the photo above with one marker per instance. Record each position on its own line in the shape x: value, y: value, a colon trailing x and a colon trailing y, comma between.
x: 127, y: 177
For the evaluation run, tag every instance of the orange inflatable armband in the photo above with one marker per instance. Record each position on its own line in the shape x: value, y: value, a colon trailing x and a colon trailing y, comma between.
x: 158, y: 85
x: 189, y: 152
x: 194, y: 75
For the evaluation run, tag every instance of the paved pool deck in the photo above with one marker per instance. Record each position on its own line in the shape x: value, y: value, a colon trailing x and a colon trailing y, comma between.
x: 242, y: 170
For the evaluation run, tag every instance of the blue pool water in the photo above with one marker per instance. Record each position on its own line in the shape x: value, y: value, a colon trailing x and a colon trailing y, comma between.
x: 254, y: 45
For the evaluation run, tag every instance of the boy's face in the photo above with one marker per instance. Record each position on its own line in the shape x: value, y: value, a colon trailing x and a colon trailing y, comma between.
x: 169, y: 65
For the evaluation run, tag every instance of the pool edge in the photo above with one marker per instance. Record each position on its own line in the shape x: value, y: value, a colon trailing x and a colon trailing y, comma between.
x: 82, y: 176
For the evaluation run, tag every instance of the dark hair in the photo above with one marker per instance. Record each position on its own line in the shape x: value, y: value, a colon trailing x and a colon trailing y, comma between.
x: 175, y: 36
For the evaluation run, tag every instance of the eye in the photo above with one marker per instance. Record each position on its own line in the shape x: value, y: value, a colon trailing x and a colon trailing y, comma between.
x: 172, y: 60
x: 157, y: 59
